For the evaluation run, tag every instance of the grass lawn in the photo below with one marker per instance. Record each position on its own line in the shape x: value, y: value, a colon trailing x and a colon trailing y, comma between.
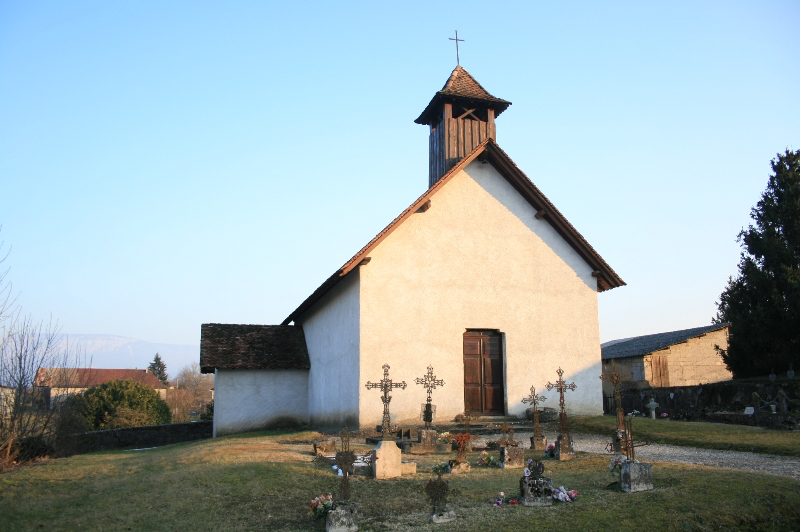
x: 695, y: 434
x: 264, y: 481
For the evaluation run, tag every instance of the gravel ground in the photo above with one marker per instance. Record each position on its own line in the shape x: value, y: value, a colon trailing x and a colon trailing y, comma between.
x: 763, y: 463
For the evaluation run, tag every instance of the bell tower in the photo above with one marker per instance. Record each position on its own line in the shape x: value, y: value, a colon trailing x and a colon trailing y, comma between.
x: 460, y: 116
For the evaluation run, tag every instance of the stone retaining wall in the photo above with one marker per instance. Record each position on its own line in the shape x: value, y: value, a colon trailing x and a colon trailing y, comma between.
x: 138, y: 437
x: 719, y: 401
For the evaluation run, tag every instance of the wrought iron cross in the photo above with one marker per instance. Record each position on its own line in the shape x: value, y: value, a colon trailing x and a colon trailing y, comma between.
x: 386, y: 385
x: 458, y: 60
x: 345, y: 460
x: 429, y: 382
x: 534, y: 401
x: 615, y: 378
x: 561, y: 387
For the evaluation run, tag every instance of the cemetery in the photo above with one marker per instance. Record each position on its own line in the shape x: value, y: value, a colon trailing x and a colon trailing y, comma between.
x: 492, y: 473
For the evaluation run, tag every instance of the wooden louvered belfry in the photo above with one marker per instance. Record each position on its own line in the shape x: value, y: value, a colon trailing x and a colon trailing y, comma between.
x: 460, y: 116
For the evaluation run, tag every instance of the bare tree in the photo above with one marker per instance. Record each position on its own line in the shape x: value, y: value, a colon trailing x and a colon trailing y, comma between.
x: 192, y: 392
x: 29, y: 417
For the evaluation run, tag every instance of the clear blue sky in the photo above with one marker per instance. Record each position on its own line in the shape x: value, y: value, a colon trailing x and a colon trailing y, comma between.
x: 167, y: 164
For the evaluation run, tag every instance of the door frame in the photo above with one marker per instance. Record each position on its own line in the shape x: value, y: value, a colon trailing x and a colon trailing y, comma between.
x: 503, y: 364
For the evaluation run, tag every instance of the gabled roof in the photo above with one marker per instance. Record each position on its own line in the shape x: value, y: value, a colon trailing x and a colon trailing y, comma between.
x: 88, y: 377
x: 227, y: 346
x: 643, y: 345
x: 461, y: 86
x: 487, y: 151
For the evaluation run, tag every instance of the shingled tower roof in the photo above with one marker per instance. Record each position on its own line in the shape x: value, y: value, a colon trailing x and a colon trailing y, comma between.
x: 461, y: 86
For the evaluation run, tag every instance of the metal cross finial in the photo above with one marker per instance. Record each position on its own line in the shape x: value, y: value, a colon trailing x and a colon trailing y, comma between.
x: 430, y: 383
x: 458, y: 60
x: 561, y: 387
x: 615, y: 378
x: 386, y: 386
x: 534, y: 401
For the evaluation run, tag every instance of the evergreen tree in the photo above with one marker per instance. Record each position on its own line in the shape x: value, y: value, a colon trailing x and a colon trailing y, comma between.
x: 158, y: 368
x: 762, y: 303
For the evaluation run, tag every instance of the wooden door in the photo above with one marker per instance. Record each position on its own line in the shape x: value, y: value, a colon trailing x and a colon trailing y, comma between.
x: 660, y: 371
x: 483, y: 373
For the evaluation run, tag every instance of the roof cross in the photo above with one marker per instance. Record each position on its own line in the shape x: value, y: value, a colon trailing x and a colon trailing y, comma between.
x: 458, y: 60
x: 386, y: 385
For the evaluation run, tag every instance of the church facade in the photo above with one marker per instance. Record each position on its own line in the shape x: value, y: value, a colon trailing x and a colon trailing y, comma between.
x: 481, y: 278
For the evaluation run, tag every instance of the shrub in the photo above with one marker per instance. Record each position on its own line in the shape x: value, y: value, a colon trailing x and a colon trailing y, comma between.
x: 121, y: 403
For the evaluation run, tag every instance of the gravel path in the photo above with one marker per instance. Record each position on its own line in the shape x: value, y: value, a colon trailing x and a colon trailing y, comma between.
x: 763, y: 463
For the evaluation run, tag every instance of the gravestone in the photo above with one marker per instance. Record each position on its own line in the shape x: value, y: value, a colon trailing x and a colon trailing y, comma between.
x: 636, y: 476
x: 512, y: 457
x: 535, y: 490
x: 426, y: 442
x: 342, y: 518
x: 652, y: 405
x: 387, y: 460
x: 565, y: 447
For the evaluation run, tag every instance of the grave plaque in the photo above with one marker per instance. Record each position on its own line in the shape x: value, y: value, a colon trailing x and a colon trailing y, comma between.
x: 512, y: 457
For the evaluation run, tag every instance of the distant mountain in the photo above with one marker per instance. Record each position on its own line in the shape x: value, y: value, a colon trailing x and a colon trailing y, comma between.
x: 119, y: 352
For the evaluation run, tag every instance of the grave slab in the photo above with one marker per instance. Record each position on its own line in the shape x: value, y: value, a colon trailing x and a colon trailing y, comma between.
x: 408, y: 468
x: 636, y: 476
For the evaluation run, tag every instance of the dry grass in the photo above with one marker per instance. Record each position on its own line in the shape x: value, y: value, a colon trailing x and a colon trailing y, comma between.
x: 262, y: 481
x: 696, y: 434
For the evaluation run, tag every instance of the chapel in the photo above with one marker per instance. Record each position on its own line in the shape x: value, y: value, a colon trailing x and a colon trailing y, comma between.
x: 481, y: 278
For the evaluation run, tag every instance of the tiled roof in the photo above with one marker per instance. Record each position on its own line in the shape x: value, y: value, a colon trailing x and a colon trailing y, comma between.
x: 227, y: 346
x: 607, y: 278
x: 642, y: 345
x: 87, y: 377
x: 461, y: 86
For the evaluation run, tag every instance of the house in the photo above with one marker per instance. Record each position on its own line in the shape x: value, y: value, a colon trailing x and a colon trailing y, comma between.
x: 6, y: 398
x: 678, y: 358
x: 60, y: 382
x: 481, y: 278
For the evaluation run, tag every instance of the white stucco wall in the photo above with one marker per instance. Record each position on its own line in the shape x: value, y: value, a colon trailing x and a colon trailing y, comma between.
x: 478, y: 258
x: 252, y: 399
x: 331, y: 328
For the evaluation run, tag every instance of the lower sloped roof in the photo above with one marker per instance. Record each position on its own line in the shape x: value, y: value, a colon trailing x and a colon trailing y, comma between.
x: 88, y: 377
x: 230, y: 346
x: 642, y: 345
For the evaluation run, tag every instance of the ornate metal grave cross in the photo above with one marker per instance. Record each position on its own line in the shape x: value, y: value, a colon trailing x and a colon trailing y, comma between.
x: 561, y: 387
x: 615, y: 378
x: 345, y: 460
x: 462, y: 440
x: 430, y: 383
x: 458, y: 60
x: 508, y: 436
x: 386, y: 385
x: 534, y: 401
x: 467, y: 420
x: 628, y: 446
